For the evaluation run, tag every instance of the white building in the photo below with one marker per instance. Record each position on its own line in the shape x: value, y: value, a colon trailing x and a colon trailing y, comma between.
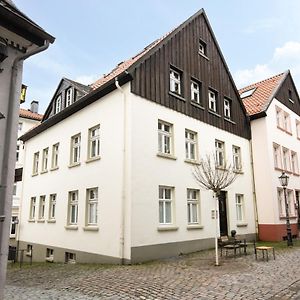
x: 108, y: 176
x: 274, y: 107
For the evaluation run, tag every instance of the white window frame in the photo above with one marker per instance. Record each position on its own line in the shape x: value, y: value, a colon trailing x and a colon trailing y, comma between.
x: 52, y: 206
x: 227, y: 108
x: 175, y: 81
x: 164, y: 201
x: 42, y: 207
x: 279, y: 117
x: 35, y: 168
x: 32, y: 210
x: 193, y: 206
x: 13, y: 226
x: 277, y: 156
x: 212, y: 100
x: 92, y: 207
x: 75, y: 149
x: 58, y: 104
x: 287, y: 122
x: 286, y: 159
x: 196, y: 92
x: 240, y: 207
x: 45, y: 159
x: 298, y: 128
x: 202, y: 48
x: 291, y: 201
x: 73, y: 207
x: 294, y: 162
x: 94, y: 142
x: 69, y: 96
x: 220, y: 153
x: 281, y: 203
x: 191, y: 143
x: 165, y: 138
x: 55, y: 152
x: 237, y: 158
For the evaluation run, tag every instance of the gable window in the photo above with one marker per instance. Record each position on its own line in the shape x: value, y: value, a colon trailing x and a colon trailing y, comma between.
x: 165, y: 137
x: 277, y: 156
x: 45, y: 160
x: 286, y: 159
x: 193, y: 206
x: 75, y: 149
x: 190, y: 145
x: 291, y: 97
x: 237, y: 160
x: 92, y: 206
x: 35, y: 169
x: 94, y: 142
x: 202, y: 48
x: 73, y: 208
x: 69, y: 97
x: 212, y: 100
x: 32, y: 208
x: 239, y: 202
x: 294, y: 160
x: 52, y: 206
x: 54, y: 162
x: 220, y: 153
x: 58, y: 104
x: 165, y: 205
x: 196, y: 92
x: 175, y: 81
x: 42, y: 207
x: 227, y: 108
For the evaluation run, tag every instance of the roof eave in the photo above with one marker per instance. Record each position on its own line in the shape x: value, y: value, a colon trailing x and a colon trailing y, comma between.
x: 259, y: 115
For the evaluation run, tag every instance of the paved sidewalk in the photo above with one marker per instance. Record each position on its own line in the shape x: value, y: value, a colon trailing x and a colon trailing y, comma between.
x: 187, y: 277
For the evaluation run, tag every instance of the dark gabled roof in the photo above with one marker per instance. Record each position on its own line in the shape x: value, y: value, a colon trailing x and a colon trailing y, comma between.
x: 14, y: 20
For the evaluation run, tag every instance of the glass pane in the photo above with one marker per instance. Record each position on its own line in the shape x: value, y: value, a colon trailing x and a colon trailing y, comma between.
x: 161, y: 212
x: 167, y: 193
x: 168, y: 212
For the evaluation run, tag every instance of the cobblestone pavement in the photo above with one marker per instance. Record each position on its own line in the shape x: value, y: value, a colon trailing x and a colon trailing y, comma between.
x: 188, y: 277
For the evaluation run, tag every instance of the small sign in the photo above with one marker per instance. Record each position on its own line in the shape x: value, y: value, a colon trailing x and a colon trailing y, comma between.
x: 23, y: 93
x: 213, y: 214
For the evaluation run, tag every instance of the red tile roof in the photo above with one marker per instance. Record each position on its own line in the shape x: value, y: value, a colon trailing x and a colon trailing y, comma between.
x: 263, y: 94
x: 30, y: 115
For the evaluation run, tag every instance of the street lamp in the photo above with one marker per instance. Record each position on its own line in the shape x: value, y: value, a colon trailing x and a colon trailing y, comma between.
x: 284, y: 180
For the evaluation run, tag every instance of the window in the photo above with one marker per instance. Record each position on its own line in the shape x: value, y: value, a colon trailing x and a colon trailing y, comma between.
x: 45, y: 159
x: 175, y: 82
x: 35, y: 163
x: 92, y: 206
x: 239, y: 202
x: 247, y: 93
x: 227, y: 108
x: 165, y: 205
x: 196, y: 92
x: 193, y: 206
x: 287, y: 122
x: 32, y: 208
x: 75, y: 149
x: 279, y: 118
x: 55, y: 149
x: 29, y: 250
x: 94, y: 142
x: 52, y: 206
x: 42, y: 207
x: 70, y: 257
x: 73, y: 208
x: 69, y: 97
x: 281, y: 204
x: 212, y: 100
x: 190, y: 145
x: 13, y: 226
x: 220, y: 153
x: 49, y: 254
x: 15, y: 190
x: 291, y: 202
x: 291, y: 97
x: 294, y: 160
x: 237, y: 160
x: 58, y: 104
x: 18, y: 153
x: 165, y: 137
x: 277, y: 156
x: 202, y: 48
x: 298, y: 128
x: 20, y: 126
x: 286, y: 159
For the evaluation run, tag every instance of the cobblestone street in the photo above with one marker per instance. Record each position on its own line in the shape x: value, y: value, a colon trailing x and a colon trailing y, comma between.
x: 187, y: 277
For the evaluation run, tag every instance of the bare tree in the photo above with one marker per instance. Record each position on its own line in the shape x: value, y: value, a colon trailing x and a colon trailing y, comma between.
x: 210, y: 175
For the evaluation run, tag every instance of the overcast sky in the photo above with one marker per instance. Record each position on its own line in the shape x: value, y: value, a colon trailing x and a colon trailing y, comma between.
x: 259, y: 38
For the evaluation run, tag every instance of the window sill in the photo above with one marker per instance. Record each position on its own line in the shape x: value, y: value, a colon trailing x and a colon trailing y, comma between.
x: 169, y: 156
x: 194, y: 226
x: 31, y: 221
x: 49, y: 259
x: 28, y: 253
x: 296, y: 174
x: 278, y: 169
x: 40, y: 221
x: 192, y: 161
x: 214, y: 113
x: 167, y: 228
x: 241, y: 224
x: 71, y: 227
x: 91, y: 228
x: 203, y: 55
x: 290, y: 217
x: 229, y: 120
x: 176, y: 96
x: 197, y: 105
x: 44, y: 171
x: 51, y: 221
x: 238, y: 171
x: 93, y: 159
x: 54, y: 168
x: 34, y: 174
x: 74, y: 165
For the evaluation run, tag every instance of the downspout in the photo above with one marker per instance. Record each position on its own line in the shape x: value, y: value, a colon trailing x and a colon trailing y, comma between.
x: 5, y: 204
x: 124, y: 174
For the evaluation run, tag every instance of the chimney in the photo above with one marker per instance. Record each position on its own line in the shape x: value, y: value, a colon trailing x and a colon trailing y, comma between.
x: 34, y: 106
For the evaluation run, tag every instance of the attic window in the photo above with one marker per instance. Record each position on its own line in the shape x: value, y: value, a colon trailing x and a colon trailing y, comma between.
x: 247, y: 93
x: 69, y: 97
x: 202, y: 48
x: 290, y: 97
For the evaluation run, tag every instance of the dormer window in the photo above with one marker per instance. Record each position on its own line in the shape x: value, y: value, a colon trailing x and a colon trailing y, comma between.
x: 202, y: 48
x: 69, y: 97
x: 58, y: 104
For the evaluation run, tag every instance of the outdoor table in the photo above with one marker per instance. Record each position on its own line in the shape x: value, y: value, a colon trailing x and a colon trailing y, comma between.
x: 264, y: 250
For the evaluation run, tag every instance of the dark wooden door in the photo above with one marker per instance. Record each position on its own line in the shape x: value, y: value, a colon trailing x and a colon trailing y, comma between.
x: 223, y: 213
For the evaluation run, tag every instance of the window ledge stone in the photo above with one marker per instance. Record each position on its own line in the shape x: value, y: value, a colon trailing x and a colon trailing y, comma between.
x: 194, y: 226
x: 41, y: 221
x: 91, y: 228
x: 241, y: 224
x: 93, y: 159
x: 169, y: 156
x: 44, y: 171
x: 176, y: 96
x: 31, y: 221
x: 49, y: 259
x: 238, y: 171
x: 167, y: 228
x: 74, y: 165
x: 197, y: 105
x: 71, y: 227
x: 192, y: 161
x: 229, y: 120
x: 54, y: 168
x: 203, y: 55
x: 34, y: 174
x: 214, y: 113
x: 51, y: 221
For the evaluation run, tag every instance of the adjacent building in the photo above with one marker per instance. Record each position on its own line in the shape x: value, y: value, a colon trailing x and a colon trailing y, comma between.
x: 274, y: 108
x: 108, y: 174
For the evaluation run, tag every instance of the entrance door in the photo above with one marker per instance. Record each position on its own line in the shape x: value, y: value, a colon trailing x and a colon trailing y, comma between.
x: 223, y: 213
